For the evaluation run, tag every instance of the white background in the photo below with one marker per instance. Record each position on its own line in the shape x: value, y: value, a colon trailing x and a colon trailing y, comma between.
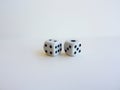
x: 26, y: 24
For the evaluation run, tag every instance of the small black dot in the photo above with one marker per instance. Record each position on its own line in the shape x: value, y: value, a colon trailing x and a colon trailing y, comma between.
x: 58, y: 50
x: 55, y: 46
x: 65, y: 50
x: 55, y: 51
x: 50, y: 52
x: 75, y: 46
x: 74, y: 52
x: 45, y: 45
x: 73, y: 40
x: 55, y: 40
x: 50, y: 39
x: 50, y: 46
x: 79, y: 51
x: 69, y: 46
x: 79, y: 45
x: 58, y: 45
x: 46, y: 51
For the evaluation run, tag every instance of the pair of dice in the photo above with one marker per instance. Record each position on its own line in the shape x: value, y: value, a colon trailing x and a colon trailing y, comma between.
x: 54, y: 47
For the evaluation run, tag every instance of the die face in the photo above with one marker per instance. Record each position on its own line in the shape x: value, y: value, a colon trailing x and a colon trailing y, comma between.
x: 76, y: 49
x: 68, y: 48
x: 72, y: 47
x: 48, y: 48
x: 52, y: 47
x: 57, y: 48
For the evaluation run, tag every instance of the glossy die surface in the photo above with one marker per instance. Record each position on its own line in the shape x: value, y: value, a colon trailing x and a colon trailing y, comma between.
x: 72, y: 47
x: 52, y: 47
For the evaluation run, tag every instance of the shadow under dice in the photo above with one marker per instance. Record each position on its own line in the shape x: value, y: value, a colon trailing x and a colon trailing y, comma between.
x: 52, y: 47
x: 72, y: 47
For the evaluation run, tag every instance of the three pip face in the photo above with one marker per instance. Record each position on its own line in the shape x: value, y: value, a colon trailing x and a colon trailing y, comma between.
x: 53, y: 47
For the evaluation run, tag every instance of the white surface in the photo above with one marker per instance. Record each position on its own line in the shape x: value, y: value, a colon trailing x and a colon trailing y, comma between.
x: 21, y: 18
x: 26, y: 24
x: 23, y: 65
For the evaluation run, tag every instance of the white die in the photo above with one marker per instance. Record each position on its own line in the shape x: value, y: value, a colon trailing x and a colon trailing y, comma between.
x: 72, y: 47
x: 52, y: 47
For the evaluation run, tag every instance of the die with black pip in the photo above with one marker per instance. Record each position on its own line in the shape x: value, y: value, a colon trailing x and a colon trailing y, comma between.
x: 72, y: 47
x: 52, y: 47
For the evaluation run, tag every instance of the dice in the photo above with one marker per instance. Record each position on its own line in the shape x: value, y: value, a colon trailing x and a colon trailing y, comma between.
x: 72, y: 47
x: 52, y: 47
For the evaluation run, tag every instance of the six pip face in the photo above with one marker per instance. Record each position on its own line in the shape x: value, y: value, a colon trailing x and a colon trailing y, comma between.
x: 53, y: 47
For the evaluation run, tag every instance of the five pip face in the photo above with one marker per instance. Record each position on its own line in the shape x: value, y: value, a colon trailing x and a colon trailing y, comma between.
x: 53, y: 47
